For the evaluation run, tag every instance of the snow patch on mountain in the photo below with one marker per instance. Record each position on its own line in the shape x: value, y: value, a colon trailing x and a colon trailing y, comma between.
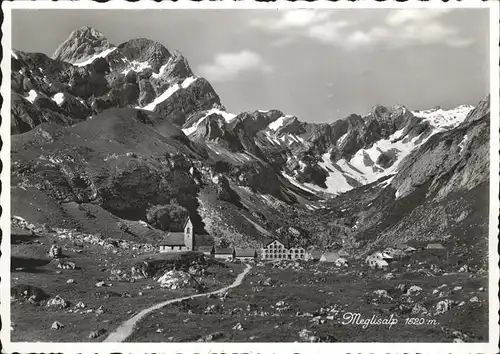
x: 463, y: 143
x: 14, y: 55
x: 188, y: 81
x: 58, y: 98
x: 306, y: 186
x: 336, y: 181
x: 162, y: 69
x: 445, y: 119
x: 136, y: 66
x: 341, y: 139
x: 32, y: 95
x: 168, y: 92
x: 363, y: 167
x: 227, y: 117
x: 102, y: 54
x: 278, y: 123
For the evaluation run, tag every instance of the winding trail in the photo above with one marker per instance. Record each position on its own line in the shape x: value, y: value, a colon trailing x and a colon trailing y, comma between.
x: 127, y: 327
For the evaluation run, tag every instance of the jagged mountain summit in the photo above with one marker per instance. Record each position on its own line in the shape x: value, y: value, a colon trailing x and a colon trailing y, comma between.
x: 140, y: 117
x: 83, y: 46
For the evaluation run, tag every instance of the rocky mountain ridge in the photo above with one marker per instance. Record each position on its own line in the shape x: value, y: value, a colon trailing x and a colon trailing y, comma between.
x: 130, y: 128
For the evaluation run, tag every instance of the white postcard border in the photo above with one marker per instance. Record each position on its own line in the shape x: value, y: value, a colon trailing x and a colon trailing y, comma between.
x: 491, y: 347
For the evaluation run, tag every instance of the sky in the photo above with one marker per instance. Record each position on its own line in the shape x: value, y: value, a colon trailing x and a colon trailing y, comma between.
x: 318, y: 64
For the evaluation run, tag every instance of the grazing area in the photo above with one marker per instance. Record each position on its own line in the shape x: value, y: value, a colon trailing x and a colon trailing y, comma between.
x: 305, y: 301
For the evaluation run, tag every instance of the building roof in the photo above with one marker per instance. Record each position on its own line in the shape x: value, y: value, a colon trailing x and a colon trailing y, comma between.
x: 173, y: 239
x: 343, y: 253
x: 435, y: 246
x: 205, y: 248
x: 269, y: 241
x: 245, y: 252
x: 186, y: 221
x: 416, y: 243
x: 330, y: 256
x: 287, y: 244
x: 177, y: 239
x: 224, y: 251
x: 203, y: 240
x: 316, y: 254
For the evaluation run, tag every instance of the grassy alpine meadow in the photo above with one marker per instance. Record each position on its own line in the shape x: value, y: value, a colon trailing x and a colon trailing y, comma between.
x: 89, y: 308
x: 288, y: 302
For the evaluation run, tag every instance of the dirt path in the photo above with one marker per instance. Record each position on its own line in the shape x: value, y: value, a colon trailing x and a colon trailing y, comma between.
x: 127, y: 327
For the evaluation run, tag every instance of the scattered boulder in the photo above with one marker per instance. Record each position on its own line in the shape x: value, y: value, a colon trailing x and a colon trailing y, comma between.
x: 474, y: 299
x: 306, y: 335
x: 97, y: 333
x: 23, y: 291
x: 388, y: 276
x: 238, y: 327
x: 70, y: 281
x: 215, y: 308
x: 66, y: 265
x: 282, y: 306
x: 401, y: 287
x: 175, y: 279
x: 55, y: 251
x: 58, y: 301
x: 266, y: 282
x: 341, y: 262
x: 414, y: 290
x: 211, y: 337
x: 419, y: 309
x: 100, y: 310
x: 56, y: 325
x: 443, y: 306
x: 382, y: 294
x: 101, y: 284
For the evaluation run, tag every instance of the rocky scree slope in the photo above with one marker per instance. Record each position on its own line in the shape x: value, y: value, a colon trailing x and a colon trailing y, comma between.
x: 440, y: 193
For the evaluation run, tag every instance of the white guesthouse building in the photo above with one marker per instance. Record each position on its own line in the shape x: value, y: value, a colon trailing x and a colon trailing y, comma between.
x: 275, y: 250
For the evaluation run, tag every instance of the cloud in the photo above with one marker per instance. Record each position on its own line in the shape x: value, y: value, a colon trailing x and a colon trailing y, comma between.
x: 327, y: 31
x: 398, y: 28
x: 228, y: 66
x: 400, y: 17
x: 409, y: 27
x: 298, y: 18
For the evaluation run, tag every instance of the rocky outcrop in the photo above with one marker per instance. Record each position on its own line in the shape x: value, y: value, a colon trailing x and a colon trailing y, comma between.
x: 199, y: 96
x: 82, y: 44
x: 128, y: 172
x: 450, y: 161
x: 146, y: 92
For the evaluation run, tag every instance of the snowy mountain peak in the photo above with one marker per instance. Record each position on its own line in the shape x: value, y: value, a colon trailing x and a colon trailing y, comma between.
x: 82, y: 45
x: 445, y: 119
x: 88, y: 32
